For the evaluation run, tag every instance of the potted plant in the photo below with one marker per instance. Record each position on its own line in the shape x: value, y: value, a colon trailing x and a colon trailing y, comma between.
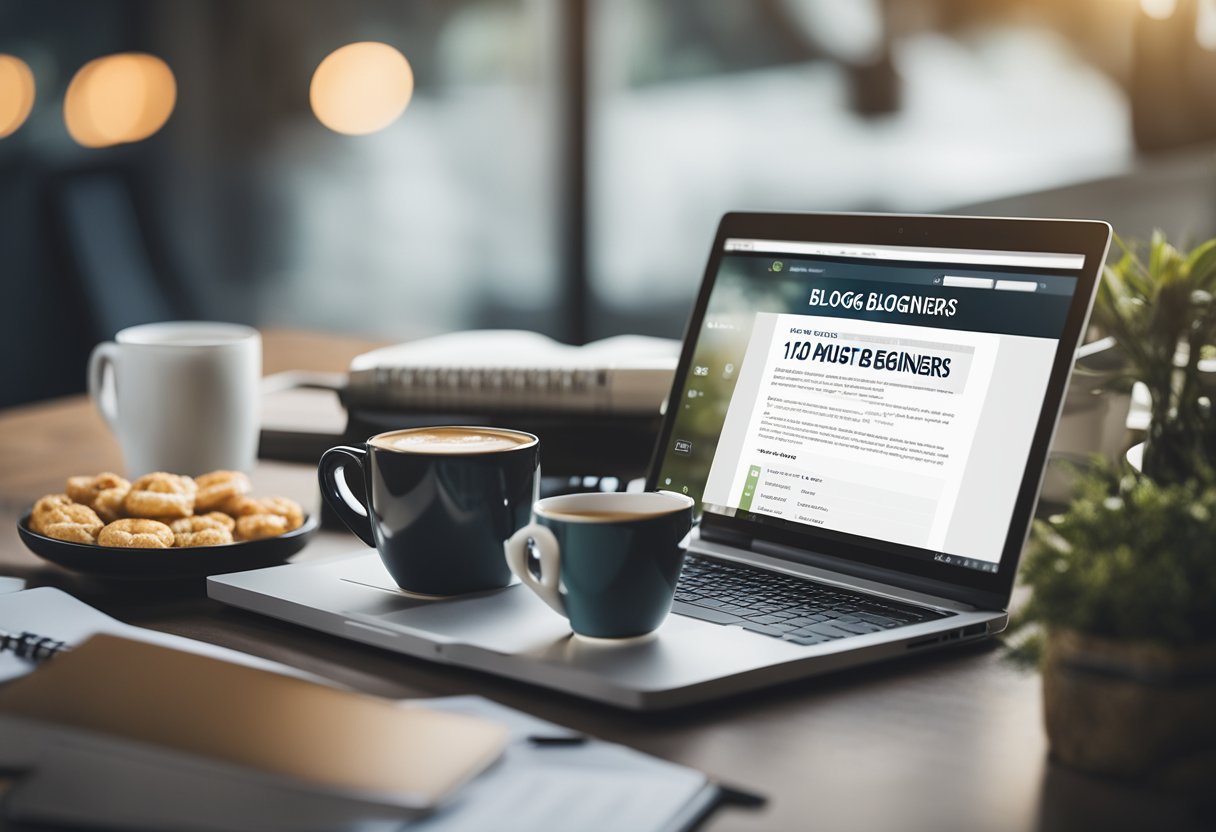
x: 1093, y: 419
x: 1122, y: 616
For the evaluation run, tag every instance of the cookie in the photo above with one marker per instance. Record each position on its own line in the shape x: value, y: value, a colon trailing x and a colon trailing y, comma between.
x: 218, y: 487
x: 282, y: 506
x: 72, y: 522
x: 109, y: 503
x: 161, y: 496
x: 260, y: 526
x: 241, y: 506
x: 74, y: 532
x: 49, y: 509
x: 89, y: 491
x: 206, y: 536
x: 211, y: 520
x: 136, y: 533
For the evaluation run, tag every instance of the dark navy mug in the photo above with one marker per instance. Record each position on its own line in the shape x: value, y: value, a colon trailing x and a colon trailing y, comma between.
x: 607, y: 562
x: 439, y: 502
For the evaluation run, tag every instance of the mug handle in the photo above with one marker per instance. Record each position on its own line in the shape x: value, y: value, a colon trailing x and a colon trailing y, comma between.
x: 331, y: 475
x: 549, y: 553
x: 103, y: 355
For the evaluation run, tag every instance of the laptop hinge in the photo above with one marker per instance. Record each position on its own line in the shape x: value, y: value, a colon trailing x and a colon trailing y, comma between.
x: 727, y: 537
x: 975, y: 598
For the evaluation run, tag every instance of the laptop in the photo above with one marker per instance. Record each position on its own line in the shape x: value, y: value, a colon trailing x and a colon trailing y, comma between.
x: 862, y: 410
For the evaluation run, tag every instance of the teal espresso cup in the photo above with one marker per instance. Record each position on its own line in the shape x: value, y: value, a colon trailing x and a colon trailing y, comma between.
x: 607, y: 562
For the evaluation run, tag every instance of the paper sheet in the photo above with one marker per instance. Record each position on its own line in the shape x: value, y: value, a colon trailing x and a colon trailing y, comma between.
x: 593, y: 787
x: 54, y: 613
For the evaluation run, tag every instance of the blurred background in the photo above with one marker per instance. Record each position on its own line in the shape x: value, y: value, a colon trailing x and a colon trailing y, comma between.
x: 561, y: 164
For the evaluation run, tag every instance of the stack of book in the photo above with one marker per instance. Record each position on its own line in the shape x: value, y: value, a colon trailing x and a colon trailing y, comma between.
x: 596, y: 408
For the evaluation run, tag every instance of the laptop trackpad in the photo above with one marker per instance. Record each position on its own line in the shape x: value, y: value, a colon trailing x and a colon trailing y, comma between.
x: 507, y: 620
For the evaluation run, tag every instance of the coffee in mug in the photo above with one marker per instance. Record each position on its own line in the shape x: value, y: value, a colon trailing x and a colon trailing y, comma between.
x: 607, y: 562
x: 439, y: 502
x: 594, y: 516
x: 452, y: 440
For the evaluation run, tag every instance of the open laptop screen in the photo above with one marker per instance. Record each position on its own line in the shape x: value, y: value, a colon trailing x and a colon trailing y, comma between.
x: 870, y: 393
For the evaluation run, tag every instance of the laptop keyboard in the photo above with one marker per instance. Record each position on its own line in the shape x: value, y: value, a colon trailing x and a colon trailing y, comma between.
x: 788, y: 607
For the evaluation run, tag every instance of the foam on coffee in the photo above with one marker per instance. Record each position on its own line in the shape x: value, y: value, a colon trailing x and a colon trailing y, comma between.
x: 605, y: 516
x: 452, y: 440
x: 590, y: 516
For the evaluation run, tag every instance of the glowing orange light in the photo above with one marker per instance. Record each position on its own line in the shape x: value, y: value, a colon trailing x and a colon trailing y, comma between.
x: 361, y: 88
x: 16, y: 93
x: 119, y: 99
x: 1205, y: 25
x: 1159, y: 9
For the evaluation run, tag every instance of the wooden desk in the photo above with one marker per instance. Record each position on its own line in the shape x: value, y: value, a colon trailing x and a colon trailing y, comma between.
x: 946, y: 742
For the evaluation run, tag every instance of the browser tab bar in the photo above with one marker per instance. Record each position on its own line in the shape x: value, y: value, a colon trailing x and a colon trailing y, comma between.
x: 919, y: 254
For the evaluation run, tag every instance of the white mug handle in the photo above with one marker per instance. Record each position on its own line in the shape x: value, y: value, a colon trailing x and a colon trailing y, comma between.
x: 103, y: 355
x: 549, y: 553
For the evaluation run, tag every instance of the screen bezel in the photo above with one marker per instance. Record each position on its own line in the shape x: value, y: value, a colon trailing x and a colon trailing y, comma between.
x: 1089, y: 238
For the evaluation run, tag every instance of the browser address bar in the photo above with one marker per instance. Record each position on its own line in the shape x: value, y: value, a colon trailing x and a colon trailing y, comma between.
x: 977, y: 257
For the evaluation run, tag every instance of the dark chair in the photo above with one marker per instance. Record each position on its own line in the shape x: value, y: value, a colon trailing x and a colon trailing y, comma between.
x: 81, y: 261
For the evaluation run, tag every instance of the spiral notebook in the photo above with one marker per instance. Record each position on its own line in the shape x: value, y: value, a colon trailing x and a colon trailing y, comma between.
x: 498, y: 371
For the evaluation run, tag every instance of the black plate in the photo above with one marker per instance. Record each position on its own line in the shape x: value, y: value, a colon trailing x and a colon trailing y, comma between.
x: 194, y: 562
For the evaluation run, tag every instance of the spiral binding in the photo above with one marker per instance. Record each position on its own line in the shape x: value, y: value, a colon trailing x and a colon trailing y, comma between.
x: 31, y: 646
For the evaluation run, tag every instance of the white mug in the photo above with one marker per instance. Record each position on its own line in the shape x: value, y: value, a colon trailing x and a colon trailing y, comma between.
x: 184, y: 397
